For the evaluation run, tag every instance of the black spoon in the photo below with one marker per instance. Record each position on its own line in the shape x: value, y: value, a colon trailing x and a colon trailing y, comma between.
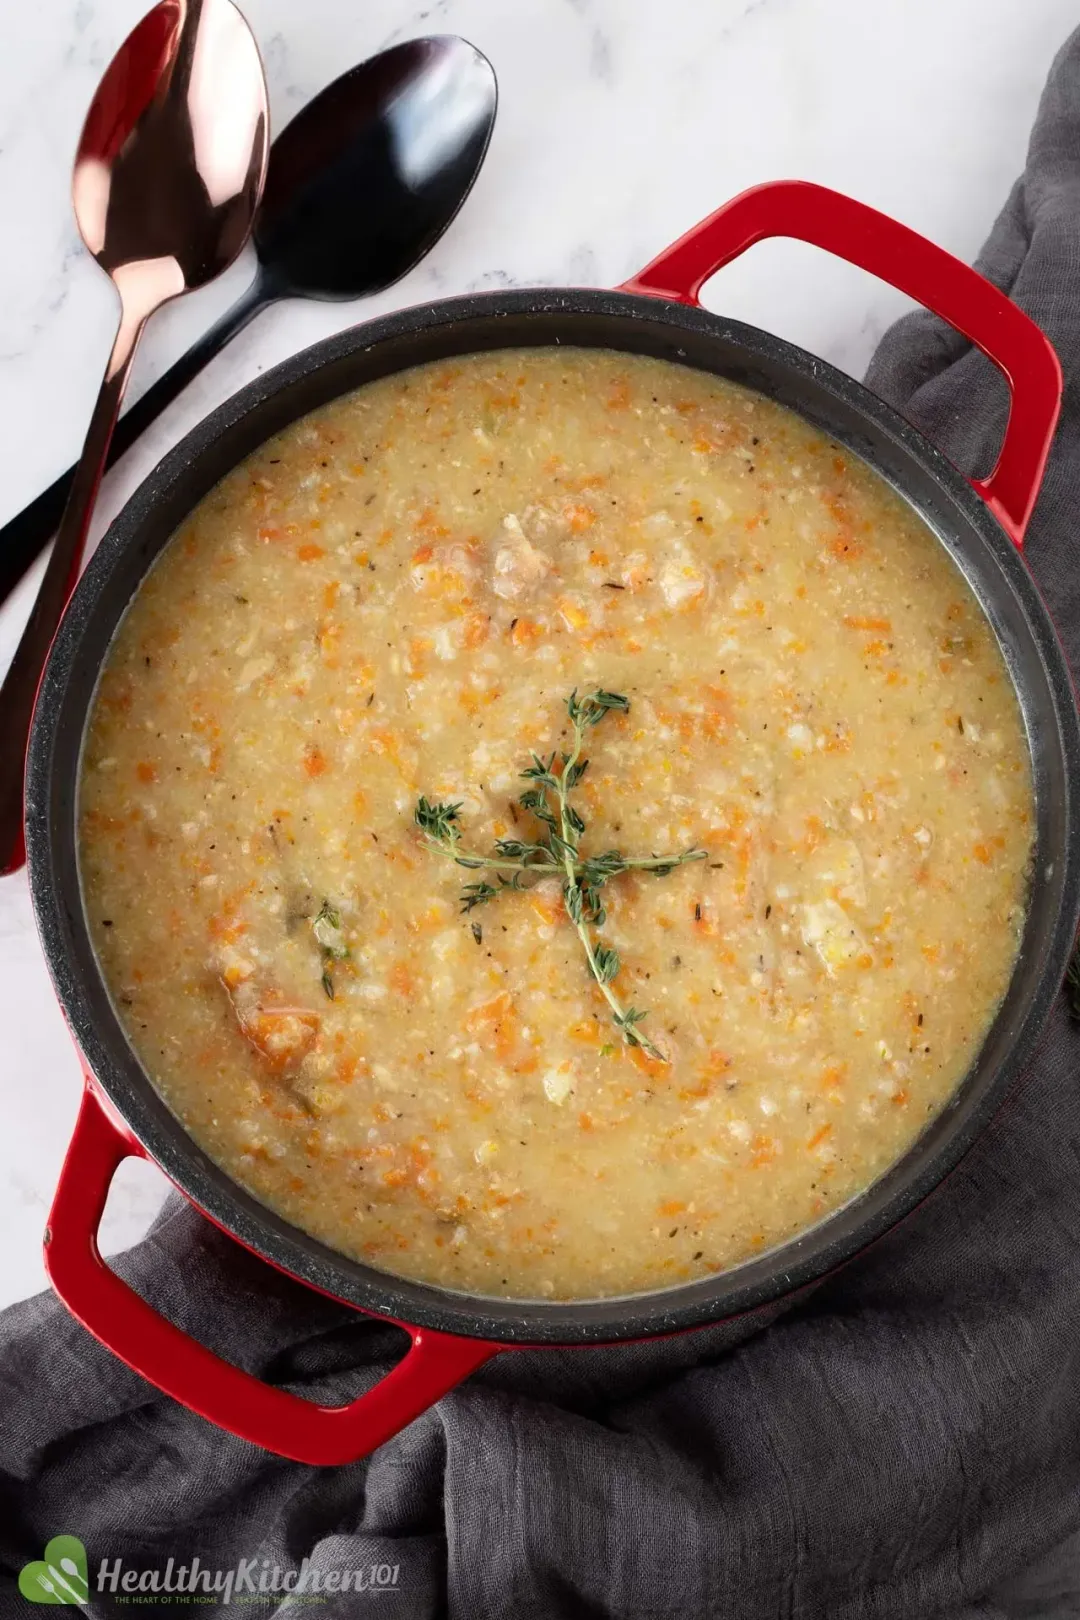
x: 360, y: 186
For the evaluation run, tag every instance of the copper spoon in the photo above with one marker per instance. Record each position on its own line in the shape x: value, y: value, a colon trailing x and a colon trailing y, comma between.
x: 359, y: 187
x: 168, y: 175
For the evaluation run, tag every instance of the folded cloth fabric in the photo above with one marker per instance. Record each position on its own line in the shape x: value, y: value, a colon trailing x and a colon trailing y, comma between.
x: 902, y: 1443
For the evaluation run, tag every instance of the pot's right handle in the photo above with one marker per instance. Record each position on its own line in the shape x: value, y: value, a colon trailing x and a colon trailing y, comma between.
x: 900, y: 256
x: 183, y: 1368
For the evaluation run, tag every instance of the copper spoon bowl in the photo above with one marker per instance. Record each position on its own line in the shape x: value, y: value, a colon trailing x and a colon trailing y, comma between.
x: 168, y: 175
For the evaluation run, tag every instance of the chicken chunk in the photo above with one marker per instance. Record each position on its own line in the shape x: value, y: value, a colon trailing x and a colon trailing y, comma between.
x: 519, y: 567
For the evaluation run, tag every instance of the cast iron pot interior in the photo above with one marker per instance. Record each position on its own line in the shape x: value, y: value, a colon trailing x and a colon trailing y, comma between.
x: 855, y: 419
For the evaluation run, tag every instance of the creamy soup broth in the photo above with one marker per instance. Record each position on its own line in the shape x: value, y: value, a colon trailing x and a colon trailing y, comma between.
x: 394, y: 599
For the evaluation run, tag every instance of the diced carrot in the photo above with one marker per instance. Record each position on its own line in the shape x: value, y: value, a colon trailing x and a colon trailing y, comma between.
x: 309, y: 552
x: 314, y: 760
x: 329, y: 643
x: 398, y: 857
x: 419, y: 647
x: 815, y: 833
x: 832, y: 1079
x: 588, y: 1031
x: 476, y: 630
x: 428, y: 525
x: 524, y: 632
x: 401, y: 979
x: 653, y: 1067
x: 281, y: 1035
x: 819, y: 1136
x: 545, y: 909
x: 573, y: 614
x: 579, y: 517
x: 146, y: 772
x: 499, y: 1017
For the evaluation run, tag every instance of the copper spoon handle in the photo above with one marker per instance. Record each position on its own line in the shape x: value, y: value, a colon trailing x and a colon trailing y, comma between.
x: 29, y: 531
x: 21, y: 681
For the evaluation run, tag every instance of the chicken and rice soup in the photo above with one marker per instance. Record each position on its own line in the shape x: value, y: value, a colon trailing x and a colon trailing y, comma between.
x: 554, y: 824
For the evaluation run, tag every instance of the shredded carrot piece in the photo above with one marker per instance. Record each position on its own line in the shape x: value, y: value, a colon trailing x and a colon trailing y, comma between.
x: 859, y: 622
x: 762, y: 1151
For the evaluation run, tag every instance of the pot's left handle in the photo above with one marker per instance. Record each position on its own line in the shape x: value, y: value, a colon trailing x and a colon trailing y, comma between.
x: 918, y: 267
x: 186, y: 1370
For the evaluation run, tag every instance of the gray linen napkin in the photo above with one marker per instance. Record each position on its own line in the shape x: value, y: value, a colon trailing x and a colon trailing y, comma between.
x: 903, y: 1442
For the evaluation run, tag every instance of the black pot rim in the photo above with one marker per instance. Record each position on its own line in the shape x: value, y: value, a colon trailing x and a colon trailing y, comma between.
x: 58, y: 910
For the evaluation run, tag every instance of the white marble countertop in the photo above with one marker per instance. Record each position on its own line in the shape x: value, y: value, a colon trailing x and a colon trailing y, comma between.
x: 620, y: 124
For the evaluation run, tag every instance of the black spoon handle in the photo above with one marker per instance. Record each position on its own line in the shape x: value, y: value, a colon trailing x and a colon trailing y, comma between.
x: 30, y: 530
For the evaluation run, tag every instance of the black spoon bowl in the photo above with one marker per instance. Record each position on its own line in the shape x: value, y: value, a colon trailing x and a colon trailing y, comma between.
x: 360, y: 186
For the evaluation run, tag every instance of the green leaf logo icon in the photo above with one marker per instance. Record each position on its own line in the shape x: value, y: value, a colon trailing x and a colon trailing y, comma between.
x: 59, y: 1576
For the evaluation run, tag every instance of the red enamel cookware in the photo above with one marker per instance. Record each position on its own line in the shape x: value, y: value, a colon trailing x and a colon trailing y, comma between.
x: 981, y: 525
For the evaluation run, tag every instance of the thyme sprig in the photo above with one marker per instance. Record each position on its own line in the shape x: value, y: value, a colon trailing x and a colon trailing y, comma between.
x: 556, y: 850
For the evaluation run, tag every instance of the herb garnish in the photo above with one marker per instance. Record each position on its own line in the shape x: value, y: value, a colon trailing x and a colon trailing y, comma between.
x: 331, y: 941
x: 515, y: 862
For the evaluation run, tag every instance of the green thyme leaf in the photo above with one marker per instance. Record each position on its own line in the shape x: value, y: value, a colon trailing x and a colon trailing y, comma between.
x: 436, y: 819
x: 477, y: 894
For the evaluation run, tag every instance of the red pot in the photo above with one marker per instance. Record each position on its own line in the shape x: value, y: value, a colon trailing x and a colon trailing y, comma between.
x: 656, y: 313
